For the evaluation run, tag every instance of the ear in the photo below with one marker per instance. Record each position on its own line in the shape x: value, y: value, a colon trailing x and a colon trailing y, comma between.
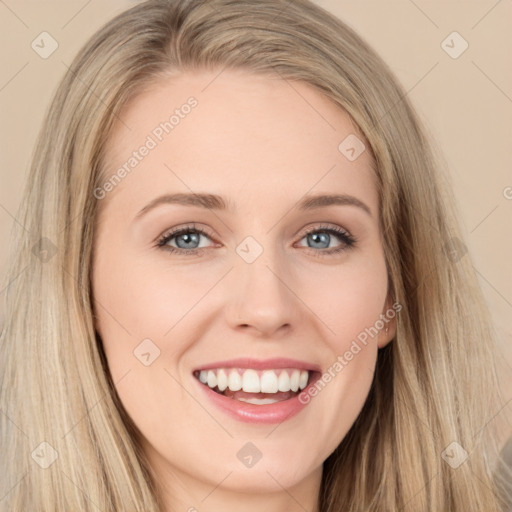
x: 388, y: 317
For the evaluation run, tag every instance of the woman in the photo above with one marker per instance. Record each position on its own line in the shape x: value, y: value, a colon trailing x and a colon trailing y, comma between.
x: 140, y: 373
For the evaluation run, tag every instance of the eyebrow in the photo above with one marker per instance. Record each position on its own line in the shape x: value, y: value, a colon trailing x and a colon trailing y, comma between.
x: 216, y: 202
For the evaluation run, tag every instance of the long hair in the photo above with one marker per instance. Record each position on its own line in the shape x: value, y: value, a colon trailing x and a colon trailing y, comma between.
x: 66, y: 442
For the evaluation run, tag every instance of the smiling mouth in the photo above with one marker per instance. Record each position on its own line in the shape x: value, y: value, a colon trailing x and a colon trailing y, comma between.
x: 258, y: 387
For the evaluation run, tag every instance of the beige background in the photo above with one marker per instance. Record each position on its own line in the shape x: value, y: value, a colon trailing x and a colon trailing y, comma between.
x: 465, y: 102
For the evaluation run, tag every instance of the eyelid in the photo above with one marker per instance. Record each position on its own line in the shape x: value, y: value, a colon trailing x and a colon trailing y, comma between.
x: 173, y: 232
x: 324, y: 226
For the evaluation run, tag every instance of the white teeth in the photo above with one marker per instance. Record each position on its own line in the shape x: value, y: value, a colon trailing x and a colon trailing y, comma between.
x: 252, y: 381
x: 212, y: 379
x: 258, y: 401
x: 234, y: 381
x: 269, y: 382
x: 284, y: 381
x: 303, y: 381
x: 294, y: 380
x: 222, y: 380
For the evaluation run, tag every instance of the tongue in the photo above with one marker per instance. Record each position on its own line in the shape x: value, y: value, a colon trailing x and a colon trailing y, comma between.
x: 280, y: 395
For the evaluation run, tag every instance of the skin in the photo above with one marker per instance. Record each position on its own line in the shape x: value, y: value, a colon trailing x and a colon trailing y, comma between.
x: 262, y: 143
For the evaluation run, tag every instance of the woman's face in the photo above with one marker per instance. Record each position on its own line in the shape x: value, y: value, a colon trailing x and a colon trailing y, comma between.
x: 265, y: 294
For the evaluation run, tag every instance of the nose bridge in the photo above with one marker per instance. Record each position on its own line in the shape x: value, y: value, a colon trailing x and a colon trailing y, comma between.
x: 261, y: 295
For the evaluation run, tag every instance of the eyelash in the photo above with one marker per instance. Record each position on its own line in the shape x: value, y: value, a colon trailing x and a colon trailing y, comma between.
x: 348, y: 240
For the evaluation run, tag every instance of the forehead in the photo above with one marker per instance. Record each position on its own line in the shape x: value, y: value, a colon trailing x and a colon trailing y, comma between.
x: 234, y: 132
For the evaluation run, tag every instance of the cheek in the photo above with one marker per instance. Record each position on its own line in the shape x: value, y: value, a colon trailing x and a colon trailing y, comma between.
x: 348, y: 304
x: 135, y: 302
x: 347, y: 301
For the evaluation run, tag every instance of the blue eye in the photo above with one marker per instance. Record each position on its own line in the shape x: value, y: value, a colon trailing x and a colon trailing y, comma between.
x: 323, y: 235
x: 187, y: 240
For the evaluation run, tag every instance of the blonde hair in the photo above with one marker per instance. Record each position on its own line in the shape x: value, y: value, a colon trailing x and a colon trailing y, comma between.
x: 434, y: 384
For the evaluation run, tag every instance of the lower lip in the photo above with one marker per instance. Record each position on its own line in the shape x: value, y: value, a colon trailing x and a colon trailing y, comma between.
x: 251, y: 413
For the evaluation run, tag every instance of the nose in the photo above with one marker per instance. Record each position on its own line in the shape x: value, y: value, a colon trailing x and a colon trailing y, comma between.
x: 262, y: 301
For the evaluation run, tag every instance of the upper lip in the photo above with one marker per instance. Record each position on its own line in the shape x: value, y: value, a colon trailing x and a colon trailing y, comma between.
x: 261, y: 364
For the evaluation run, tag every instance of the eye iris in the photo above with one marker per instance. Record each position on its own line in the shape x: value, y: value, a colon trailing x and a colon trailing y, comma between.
x: 194, y: 237
x: 320, y: 237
